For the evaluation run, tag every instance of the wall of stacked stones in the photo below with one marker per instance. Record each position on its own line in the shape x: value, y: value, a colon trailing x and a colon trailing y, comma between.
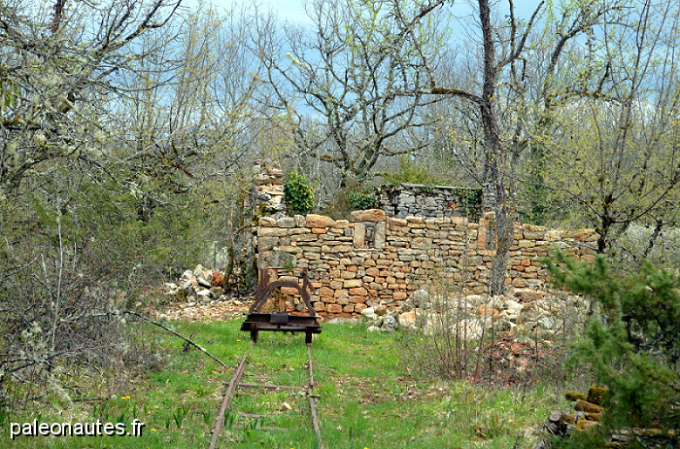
x: 429, y: 201
x: 372, y: 258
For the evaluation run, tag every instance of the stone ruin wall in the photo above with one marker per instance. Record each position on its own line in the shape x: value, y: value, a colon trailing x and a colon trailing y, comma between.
x: 266, y: 196
x: 357, y: 263
x: 429, y: 201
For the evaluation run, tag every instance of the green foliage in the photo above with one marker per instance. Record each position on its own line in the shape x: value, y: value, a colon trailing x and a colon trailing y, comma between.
x: 632, y: 343
x: 298, y: 193
x: 469, y: 196
x: 412, y: 172
x: 354, y: 196
x: 362, y: 200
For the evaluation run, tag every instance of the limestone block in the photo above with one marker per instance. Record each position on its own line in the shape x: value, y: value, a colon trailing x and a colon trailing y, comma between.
x: 319, y: 221
x: 341, y: 249
x: 267, y: 222
x: 271, y: 232
x: 370, y: 215
x: 289, y: 291
x: 372, y: 271
x: 380, y: 235
x: 266, y: 243
x: 352, y: 283
x: 300, y: 221
x: 359, y: 235
x: 286, y: 222
x: 399, y: 295
x: 519, y: 283
x: 304, y: 238
x: 528, y: 294
x: 334, y: 308
x: 319, y: 306
x: 325, y: 292
x: 341, y: 297
x: 397, y: 222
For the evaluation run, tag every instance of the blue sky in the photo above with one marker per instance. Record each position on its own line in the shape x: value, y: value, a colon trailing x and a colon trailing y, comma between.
x: 294, y: 11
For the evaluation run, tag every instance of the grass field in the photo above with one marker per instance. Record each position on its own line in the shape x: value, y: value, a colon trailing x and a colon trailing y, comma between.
x: 366, y: 398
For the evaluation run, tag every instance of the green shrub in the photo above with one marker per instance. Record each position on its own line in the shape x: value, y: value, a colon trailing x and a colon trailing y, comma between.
x: 362, y: 200
x: 352, y: 197
x: 298, y: 194
x: 632, y: 343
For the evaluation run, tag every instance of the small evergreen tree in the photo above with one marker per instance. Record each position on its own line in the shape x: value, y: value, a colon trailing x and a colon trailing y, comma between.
x: 632, y: 343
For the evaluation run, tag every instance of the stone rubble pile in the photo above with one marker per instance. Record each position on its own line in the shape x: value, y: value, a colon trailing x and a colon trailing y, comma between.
x: 200, y: 286
x: 470, y: 316
x: 588, y: 413
x: 588, y: 410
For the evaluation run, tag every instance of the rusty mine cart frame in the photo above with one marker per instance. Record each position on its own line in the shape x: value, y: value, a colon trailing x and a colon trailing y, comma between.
x: 257, y: 321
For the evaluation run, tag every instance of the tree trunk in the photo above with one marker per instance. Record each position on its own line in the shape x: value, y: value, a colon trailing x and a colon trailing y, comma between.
x: 494, y: 156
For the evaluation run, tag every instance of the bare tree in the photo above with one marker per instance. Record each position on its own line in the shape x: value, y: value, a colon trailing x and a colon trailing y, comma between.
x: 615, y: 157
x: 61, y: 65
x: 359, y: 78
x: 192, y: 117
x: 496, y: 149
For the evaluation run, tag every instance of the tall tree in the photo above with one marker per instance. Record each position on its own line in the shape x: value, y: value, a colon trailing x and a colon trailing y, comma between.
x: 496, y: 149
x: 190, y: 109
x: 359, y: 77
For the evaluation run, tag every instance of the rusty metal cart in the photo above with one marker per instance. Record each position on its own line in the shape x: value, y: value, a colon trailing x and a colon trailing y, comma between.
x: 257, y: 321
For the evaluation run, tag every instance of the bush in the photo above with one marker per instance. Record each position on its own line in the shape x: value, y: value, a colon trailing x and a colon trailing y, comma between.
x: 632, y: 343
x: 353, y: 196
x: 298, y: 194
x: 362, y: 200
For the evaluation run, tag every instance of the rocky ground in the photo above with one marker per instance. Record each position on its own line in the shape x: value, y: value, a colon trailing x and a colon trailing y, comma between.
x: 197, y: 296
x: 471, y: 316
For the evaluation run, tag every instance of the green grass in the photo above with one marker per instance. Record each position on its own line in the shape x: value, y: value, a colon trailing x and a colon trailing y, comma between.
x: 366, y: 400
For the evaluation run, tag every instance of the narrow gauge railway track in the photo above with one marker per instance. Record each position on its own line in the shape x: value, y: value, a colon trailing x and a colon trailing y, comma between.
x: 236, y: 383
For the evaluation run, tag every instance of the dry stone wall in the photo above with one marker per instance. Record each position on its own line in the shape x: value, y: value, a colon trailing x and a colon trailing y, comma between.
x: 429, y: 201
x: 266, y: 196
x: 372, y: 258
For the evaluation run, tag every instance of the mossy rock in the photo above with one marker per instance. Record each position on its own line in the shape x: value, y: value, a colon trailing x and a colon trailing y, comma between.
x: 589, y: 416
x: 595, y: 395
x: 180, y: 296
x: 575, y: 396
x: 568, y: 419
x: 583, y: 424
x: 585, y: 406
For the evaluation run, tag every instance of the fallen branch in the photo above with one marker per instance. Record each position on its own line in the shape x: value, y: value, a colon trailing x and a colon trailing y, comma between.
x: 162, y: 326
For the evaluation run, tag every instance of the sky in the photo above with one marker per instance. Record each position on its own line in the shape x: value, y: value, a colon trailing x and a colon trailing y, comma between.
x: 294, y: 11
